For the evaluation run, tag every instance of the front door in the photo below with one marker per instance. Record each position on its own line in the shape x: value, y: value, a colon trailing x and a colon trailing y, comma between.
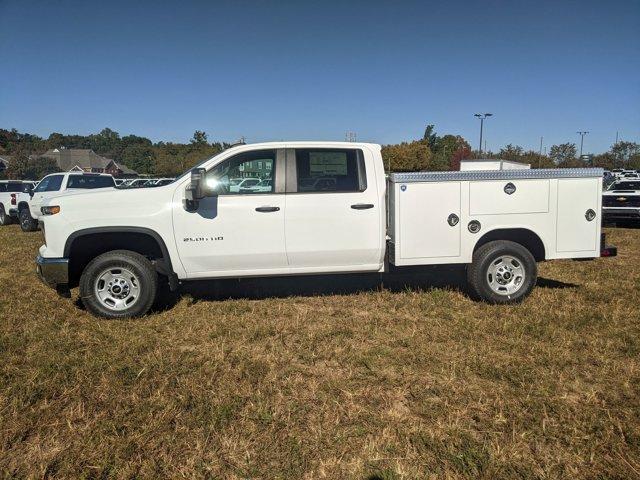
x: 240, y: 231
x: 333, y: 211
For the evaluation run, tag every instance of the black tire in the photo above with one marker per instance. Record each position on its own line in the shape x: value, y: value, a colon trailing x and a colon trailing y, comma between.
x: 135, y: 271
x: 27, y: 223
x: 5, y: 218
x: 490, y: 268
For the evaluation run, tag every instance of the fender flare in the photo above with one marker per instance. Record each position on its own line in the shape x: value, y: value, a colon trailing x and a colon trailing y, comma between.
x: 166, y: 269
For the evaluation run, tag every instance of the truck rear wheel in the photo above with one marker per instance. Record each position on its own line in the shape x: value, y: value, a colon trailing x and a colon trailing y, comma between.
x: 118, y: 284
x: 5, y: 219
x: 502, y: 272
x: 27, y: 223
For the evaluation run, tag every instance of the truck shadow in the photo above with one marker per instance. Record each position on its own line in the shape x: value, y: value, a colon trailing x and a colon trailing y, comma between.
x: 414, y: 279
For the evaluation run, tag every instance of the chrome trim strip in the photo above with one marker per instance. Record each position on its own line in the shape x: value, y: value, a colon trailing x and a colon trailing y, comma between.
x: 536, y: 173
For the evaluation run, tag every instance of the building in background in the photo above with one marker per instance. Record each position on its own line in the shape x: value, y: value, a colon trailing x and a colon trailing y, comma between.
x: 86, y: 160
x: 491, y: 164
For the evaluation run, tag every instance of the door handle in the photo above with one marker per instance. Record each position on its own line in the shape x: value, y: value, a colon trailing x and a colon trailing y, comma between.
x: 362, y: 206
x: 267, y: 209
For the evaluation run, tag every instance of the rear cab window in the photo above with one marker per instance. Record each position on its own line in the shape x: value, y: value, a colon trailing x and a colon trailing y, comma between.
x: 14, y: 187
x: 326, y: 170
x: 90, y: 181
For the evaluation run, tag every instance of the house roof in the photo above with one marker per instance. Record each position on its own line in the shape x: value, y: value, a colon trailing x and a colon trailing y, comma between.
x: 124, y: 169
x: 69, y: 158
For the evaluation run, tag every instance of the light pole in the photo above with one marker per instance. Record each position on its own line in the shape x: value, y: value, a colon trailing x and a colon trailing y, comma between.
x: 482, y: 117
x: 582, y: 134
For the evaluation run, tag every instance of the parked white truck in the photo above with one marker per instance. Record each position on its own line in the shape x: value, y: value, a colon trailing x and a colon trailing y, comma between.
x: 55, y: 185
x: 118, y: 246
x: 13, y: 194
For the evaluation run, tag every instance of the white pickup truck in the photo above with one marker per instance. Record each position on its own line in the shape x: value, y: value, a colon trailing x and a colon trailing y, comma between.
x: 118, y: 246
x: 14, y: 194
x: 63, y: 183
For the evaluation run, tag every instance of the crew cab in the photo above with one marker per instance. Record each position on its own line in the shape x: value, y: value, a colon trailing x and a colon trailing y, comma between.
x: 58, y: 184
x: 13, y: 194
x: 118, y: 247
x: 621, y: 201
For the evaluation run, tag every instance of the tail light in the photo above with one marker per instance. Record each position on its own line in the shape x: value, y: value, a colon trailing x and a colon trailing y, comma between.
x: 13, y: 199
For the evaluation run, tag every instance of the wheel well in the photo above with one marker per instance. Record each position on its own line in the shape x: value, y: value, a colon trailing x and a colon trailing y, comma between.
x: 22, y: 205
x: 83, y: 248
x: 528, y: 239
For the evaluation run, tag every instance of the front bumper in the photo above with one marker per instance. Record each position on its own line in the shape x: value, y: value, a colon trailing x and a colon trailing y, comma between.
x: 54, y: 272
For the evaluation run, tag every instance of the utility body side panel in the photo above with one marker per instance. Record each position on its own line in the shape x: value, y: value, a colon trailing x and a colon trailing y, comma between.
x: 553, y: 205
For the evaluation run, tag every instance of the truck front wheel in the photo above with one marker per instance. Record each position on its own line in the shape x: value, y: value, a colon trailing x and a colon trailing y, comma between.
x: 502, y: 272
x: 118, y: 284
x: 27, y: 223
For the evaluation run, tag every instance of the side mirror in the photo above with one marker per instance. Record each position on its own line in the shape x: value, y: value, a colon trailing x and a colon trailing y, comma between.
x: 199, y: 188
x: 194, y: 191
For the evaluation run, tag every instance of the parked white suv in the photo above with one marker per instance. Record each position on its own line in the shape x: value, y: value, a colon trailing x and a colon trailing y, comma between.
x: 58, y: 184
x: 117, y: 248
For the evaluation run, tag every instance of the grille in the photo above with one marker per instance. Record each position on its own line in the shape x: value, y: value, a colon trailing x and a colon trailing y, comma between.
x: 621, y: 200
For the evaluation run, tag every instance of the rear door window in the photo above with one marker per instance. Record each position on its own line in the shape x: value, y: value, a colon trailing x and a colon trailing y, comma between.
x: 14, y: 187
x: 325, y: 170
x: 89, y: 181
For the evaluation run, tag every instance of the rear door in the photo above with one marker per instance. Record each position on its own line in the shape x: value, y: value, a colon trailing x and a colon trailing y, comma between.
x: 333, y: 213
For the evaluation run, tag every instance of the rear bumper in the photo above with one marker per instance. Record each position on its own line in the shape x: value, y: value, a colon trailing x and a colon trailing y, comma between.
x: 621, y: 213
x: 54, y: 272
x: 13, y: 212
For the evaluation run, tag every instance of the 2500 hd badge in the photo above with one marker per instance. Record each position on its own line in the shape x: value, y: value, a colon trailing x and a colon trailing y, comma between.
x: 202, y: 239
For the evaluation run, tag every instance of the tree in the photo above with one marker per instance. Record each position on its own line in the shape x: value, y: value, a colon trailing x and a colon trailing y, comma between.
x: 407, y: 156
x: 24, y: 167
x: 511, y: 152
x: 563, y: 154
x: 624, y: 152
x: 430, y: 136
x: 462, y: 153
x: 199, y: 138
x: 140, y: 158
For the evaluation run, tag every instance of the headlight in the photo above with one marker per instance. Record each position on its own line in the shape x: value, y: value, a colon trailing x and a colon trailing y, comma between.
x: 50, y: 210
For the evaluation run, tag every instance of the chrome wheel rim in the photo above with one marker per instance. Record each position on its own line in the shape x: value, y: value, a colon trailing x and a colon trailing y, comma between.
x: 117, y: 288
x: 25, y: 221
x: 506, y: 275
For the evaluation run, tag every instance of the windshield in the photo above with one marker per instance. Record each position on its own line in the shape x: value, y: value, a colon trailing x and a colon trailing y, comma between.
x: 90, y: 181
x: 50, y: 184
x: 625, y: 186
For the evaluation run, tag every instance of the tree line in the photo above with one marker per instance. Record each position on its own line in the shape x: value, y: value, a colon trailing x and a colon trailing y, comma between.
x: 431, y: 152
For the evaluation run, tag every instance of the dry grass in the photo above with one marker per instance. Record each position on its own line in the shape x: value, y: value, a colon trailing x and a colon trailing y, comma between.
x: 381, y: 383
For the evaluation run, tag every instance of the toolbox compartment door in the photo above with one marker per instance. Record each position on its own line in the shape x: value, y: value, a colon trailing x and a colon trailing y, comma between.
x: 491, y: 197
x: 575, y: 233
x: 424, y: 209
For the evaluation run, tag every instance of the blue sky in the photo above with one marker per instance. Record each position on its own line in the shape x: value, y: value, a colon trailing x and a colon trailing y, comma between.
x: 314, y: 70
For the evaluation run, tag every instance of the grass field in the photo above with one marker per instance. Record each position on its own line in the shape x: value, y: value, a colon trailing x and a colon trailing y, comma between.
x: 345, y: 379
